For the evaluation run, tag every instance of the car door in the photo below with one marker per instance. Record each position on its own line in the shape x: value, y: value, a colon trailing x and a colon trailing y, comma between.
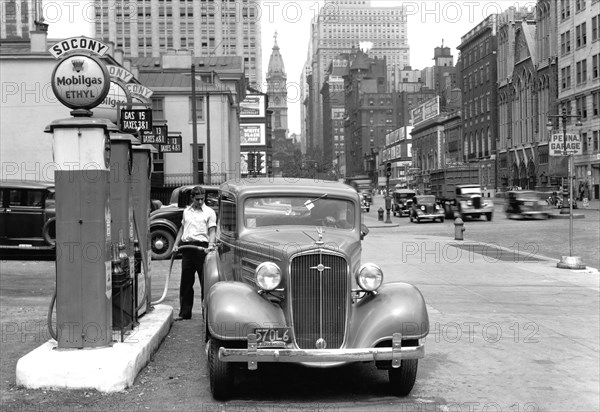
x: 25, y: 216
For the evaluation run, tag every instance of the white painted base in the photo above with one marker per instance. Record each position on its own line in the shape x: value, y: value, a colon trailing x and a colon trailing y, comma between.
x: 571, y: 262
x: 109, y: 369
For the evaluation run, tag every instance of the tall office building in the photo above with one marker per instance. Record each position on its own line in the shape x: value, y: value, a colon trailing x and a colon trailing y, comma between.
x: 342, y: 25
x: 144, y: 28
x: 18, y: 18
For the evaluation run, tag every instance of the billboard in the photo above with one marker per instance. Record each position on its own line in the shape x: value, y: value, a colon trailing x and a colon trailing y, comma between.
x: 253, y: 106
x: 252, y: 134
x: 425, y: 111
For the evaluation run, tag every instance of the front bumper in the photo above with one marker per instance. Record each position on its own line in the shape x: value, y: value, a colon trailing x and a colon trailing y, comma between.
x: 253, y: 354
x: 430, y: 216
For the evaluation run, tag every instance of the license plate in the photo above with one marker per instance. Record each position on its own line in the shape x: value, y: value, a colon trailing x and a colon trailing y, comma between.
x: 270, y: 337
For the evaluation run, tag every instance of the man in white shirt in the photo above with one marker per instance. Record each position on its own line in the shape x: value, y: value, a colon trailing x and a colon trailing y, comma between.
x: 198, y: 228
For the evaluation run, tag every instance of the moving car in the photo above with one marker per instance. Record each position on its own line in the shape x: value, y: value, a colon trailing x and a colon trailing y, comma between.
x: 27, y: 215
x: 166, y: 220
x: 424, y: 207
x: 526, y: 204
x: 402, y: 199
x: 286, y: 284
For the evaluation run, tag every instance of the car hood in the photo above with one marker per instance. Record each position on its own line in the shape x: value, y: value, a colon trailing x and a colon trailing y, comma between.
x: 165, y: 210
x: 291, y: 241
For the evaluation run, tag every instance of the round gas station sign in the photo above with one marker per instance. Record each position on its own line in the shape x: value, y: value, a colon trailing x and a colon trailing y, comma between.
x: 80, y: 81
x: 118, y: 95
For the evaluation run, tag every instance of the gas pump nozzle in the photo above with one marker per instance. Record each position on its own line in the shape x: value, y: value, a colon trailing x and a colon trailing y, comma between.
x: 118, y: 274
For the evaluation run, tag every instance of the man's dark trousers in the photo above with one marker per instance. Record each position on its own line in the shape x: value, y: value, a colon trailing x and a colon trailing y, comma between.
x: 192, y: 261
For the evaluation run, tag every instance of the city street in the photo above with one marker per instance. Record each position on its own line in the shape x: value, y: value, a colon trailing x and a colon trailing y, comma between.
x: 509, y: 332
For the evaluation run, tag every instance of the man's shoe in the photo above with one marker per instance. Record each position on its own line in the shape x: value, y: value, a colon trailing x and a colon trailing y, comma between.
x: 178, y: 318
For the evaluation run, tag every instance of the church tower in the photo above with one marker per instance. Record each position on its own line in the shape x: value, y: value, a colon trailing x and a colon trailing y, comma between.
x: 277, y: 93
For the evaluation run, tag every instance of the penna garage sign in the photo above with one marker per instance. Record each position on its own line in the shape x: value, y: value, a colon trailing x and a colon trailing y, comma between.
x: 557, y: 146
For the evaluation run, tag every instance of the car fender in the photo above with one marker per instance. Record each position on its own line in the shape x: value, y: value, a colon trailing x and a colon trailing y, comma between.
x: 396, y: 307
x: 212, y: 268
x: 235, y: 309
x: 164, y: 224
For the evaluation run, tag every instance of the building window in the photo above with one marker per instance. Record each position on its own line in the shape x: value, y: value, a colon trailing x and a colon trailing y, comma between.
x: 595, y: 64
x: 581, y: 108
x: 596, y: 27
x: 199, y: 109
x: 565, y: 75
x: 580, y: 35
x: 579, y: 5
x: 581, y: 71
x: 565, y: 9
x: 158, y: 109
x: 565, y: 42
x: 596, y: 104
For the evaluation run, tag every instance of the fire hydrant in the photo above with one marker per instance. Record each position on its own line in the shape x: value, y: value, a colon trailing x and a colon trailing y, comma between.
x: 459, y: 228
x: 380, y: 214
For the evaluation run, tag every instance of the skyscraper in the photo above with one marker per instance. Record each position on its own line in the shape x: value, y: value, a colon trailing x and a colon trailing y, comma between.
x: 18, y: 18
x: 342, y: 25
x: 144, y: 28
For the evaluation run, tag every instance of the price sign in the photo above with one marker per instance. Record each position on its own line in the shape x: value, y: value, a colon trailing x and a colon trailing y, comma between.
x: 158, y: 135
x: 134, y: 120
x: 173, y: 145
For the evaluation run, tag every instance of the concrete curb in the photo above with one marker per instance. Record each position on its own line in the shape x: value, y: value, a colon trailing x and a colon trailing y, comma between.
x: 109, y: 369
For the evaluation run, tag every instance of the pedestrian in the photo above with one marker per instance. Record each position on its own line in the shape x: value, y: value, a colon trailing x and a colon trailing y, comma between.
x: 198, y: 228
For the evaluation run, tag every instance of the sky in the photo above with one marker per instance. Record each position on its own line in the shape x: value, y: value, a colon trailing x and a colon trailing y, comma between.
x: 429, y: 24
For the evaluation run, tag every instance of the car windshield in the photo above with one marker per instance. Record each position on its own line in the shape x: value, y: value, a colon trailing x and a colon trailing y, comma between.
x: 528, y: 195
x: 428, y: 200
x: 299, y: 211
x: 408, y: 195
x: 471, y: 190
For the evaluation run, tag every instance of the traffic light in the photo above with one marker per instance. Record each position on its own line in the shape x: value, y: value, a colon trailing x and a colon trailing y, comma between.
x: 259, y: 162
x: 388, y: 169
x: 251, y: 162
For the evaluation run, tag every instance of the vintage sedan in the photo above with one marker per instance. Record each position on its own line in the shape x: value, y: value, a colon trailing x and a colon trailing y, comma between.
x: 27, y: 215
x: 526, y: 204
x: 402, y: 201
x: 424, y: 207
x: 166, y: 220
x: 286, y: 284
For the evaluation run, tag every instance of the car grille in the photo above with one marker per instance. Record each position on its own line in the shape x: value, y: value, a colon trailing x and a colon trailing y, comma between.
x: 315, y: 314
x: 477, y: 202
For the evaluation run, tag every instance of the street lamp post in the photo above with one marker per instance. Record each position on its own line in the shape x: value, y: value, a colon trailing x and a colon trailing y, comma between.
x: 567, y: 262
x: 195, y: 178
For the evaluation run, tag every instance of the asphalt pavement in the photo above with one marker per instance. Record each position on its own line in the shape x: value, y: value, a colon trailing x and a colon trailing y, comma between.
x: 508, y: 332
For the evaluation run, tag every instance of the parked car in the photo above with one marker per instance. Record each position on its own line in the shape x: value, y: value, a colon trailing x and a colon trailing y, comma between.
x: 367, y: 199
x: 27, y: 215
x: 286, y: 284
x: 526, y: 204
x: 424, y: 207
x: 402, y: 199
x: 166, y: 220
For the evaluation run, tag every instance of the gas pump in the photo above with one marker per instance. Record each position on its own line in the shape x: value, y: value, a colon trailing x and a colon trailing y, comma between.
x: 122, y: 230
x: 140, y: 188
x: 83, y: 232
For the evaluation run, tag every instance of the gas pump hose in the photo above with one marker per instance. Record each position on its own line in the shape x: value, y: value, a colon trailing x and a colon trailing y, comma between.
x: 144, y: 264
x: 173, y: 255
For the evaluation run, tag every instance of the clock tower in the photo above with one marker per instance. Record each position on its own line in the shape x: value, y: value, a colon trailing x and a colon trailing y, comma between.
x: 277, y: 93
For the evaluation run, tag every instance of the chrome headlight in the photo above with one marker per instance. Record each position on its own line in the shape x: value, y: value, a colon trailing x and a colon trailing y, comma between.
x: 423, y: 208
x: 268, y: 275
x: 369, y: 277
